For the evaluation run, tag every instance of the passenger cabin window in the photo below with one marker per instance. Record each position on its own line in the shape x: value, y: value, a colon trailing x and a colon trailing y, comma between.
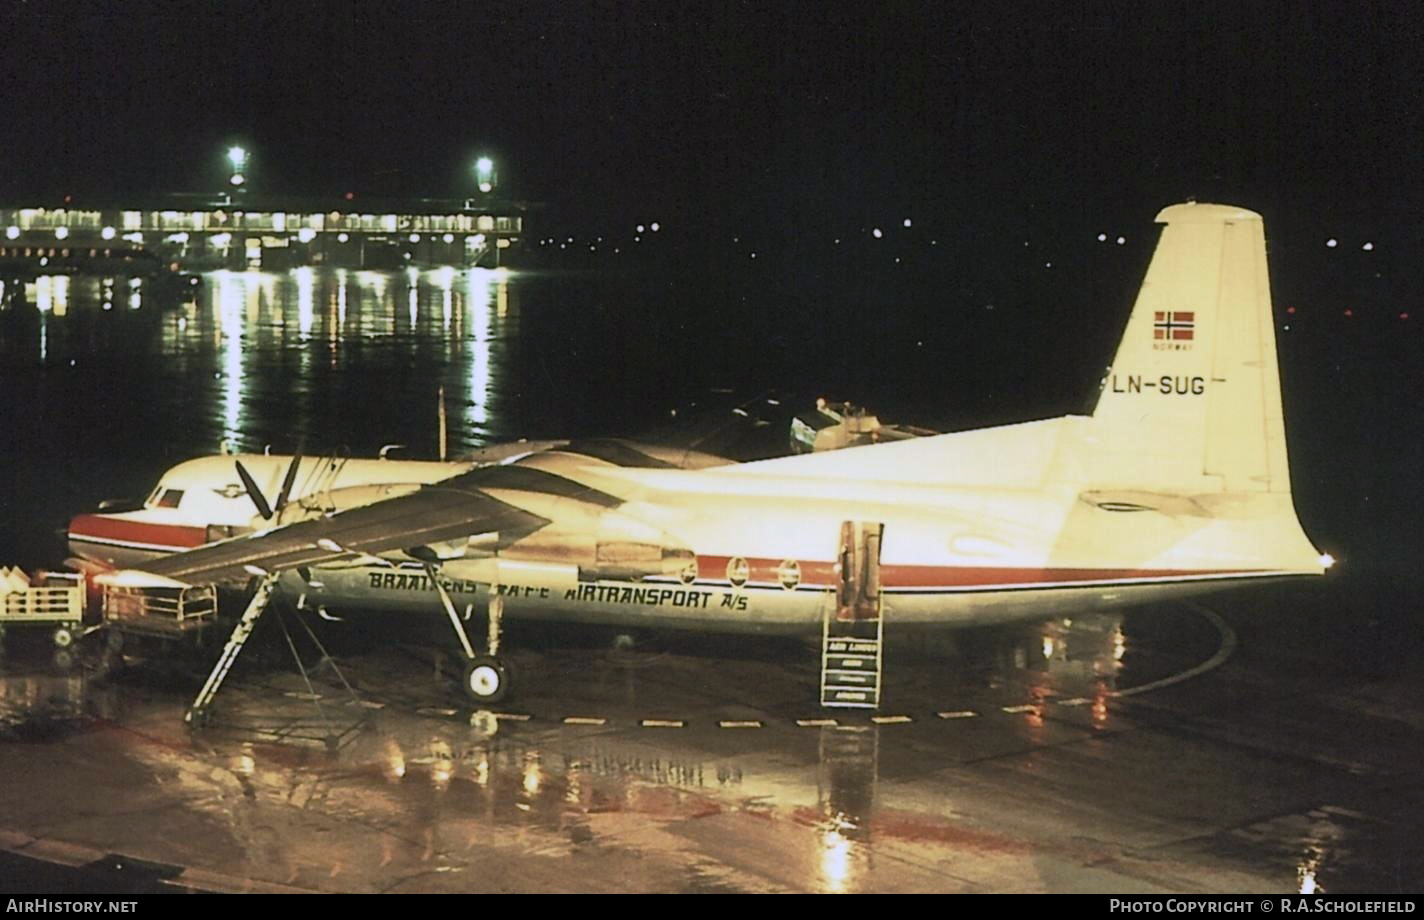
x: 170, y: 498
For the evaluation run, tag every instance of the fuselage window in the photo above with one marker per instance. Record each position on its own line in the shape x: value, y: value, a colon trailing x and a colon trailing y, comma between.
x: 789, y: 574
x: 738, y: 571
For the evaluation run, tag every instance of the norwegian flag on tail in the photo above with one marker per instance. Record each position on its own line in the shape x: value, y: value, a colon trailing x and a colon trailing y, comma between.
x: 1174, y: 325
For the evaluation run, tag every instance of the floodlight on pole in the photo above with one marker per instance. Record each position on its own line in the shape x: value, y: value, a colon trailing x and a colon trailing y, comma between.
x: 484, y: 174
x: 237, y: 157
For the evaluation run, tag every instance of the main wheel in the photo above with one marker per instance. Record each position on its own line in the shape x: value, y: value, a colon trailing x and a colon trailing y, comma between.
x: 486, y: 679
x: 63, y: 637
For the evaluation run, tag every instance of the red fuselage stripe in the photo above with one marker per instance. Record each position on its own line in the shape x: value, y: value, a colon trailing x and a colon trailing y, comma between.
x: 951, y: 576
x: 104, y: 527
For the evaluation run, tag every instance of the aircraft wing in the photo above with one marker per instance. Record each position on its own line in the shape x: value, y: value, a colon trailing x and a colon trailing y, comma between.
x: 452, y: 509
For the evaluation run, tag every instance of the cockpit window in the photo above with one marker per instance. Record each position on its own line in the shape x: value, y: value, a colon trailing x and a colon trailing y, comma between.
x: 170, y: 498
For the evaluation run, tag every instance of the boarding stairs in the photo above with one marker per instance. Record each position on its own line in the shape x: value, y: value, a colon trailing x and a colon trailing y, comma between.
x: 853, y: 629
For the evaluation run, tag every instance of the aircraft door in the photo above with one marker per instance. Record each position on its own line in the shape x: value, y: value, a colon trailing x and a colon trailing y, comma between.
x: 858, y: 562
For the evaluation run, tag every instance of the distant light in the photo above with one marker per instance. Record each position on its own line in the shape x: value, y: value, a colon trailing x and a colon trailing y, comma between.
x: 484, y: 165
x: 1349, y: 312
x: 876, y: 233
x: 61, y: 232
x: 449, y: 238
x: 415, y: 237
x: 1290, y: 310
x: 837, y: 241
x: 12, y: 232
x: 478, y: 238
x: 107, y: 233
x: 237, y: 157
x: 655, y: 226
x: 306, y: 234
x: 753, y: 255
x: 486, y: 187
x: 1047, y: 264
x: 1326, y: 560
x: 1286, y: 327
x: 1332, y: 242
x: 637, y: 239
x: 1368, y: 247
x: 1121, y: 240
x: 237, y: 179
x: 1102, y: 237
x: 342, y: 237
x: 641, y: 229
x: 1404, y: 316
x: 907, y: 222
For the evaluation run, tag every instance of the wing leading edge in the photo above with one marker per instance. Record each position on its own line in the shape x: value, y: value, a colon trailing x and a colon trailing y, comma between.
x: 451, y: 510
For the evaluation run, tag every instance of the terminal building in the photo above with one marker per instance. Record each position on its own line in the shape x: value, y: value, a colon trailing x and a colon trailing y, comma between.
x: 268, y: 234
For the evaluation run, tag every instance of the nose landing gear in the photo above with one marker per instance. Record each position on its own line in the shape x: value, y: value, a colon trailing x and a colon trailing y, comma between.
x: 486, y: 676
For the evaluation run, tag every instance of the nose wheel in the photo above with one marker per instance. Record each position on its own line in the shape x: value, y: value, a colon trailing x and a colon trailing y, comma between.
x: 486, y: 679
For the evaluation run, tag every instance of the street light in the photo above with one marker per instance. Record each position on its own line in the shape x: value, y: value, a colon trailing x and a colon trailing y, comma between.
x: 484, y: 174
x: 238, y: 158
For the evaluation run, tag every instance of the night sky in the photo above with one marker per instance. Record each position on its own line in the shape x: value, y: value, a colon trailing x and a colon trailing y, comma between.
x: 796, y: 114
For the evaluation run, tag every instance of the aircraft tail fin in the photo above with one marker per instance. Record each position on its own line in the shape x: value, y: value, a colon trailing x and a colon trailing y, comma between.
x: 1192, y: 400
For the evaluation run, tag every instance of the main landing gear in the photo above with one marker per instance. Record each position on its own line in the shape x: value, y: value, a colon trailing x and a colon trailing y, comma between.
x: 486, y: 676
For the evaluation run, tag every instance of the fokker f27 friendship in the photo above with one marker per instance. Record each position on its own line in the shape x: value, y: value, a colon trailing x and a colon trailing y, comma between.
x: 1176, y: 484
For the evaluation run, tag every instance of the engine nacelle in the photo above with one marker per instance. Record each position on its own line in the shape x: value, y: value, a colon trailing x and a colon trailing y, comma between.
x: 602, y: 541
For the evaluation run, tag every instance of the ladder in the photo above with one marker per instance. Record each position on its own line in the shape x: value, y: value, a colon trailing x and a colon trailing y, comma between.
x: 853, y: 629
x: 255, y: 608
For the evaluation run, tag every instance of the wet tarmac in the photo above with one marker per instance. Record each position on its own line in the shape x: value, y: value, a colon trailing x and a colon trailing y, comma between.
x: 1186, y: 748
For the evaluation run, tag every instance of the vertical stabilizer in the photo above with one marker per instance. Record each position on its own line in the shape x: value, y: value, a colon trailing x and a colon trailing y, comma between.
x: 1192, y: 401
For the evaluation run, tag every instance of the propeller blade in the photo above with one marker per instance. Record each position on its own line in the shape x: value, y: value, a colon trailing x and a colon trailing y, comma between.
x: 287, y: 482
x: 253, y: 492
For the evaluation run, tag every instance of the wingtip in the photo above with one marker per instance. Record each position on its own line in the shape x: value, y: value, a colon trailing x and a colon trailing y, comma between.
x: 136, y: 578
